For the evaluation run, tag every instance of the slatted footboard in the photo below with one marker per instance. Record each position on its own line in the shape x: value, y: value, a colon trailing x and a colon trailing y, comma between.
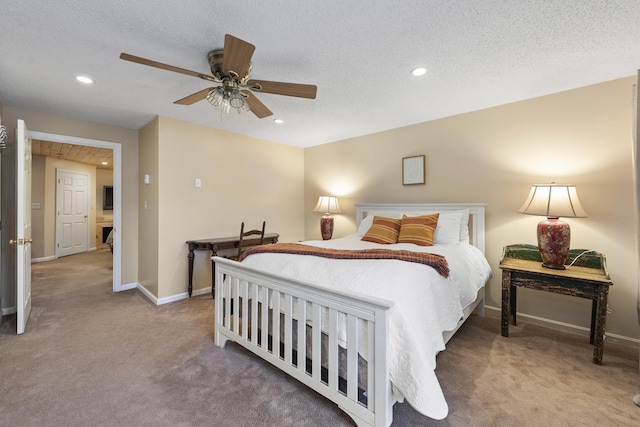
x: 251, y: 306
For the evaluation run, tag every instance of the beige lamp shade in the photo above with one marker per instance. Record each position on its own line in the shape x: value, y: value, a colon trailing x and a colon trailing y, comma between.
x: 553, y: 201
x: 327, y: 204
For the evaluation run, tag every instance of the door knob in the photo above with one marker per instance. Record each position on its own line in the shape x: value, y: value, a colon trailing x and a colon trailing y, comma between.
x: 20, y: 241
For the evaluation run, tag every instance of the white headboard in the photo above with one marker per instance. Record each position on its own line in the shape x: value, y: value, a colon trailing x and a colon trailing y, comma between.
x: 476, y: 214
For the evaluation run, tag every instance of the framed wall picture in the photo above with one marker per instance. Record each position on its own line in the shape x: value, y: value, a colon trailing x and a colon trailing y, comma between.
x: 413, y: 170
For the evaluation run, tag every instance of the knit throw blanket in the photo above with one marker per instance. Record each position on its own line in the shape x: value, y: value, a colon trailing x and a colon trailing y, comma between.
x: 438, y: 262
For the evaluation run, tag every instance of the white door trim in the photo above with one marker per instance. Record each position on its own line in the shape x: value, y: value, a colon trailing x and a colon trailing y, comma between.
x: 117, y: 191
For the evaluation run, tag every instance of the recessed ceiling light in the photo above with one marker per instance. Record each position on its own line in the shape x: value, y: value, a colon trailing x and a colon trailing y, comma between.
x: 105, y: 163
x: 278, y: 121
x: 84, y: 79
x: 417, y: 72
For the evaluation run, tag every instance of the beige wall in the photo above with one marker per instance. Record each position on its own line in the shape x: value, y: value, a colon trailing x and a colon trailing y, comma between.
x: 581, y: 137
x: 243, y: 179
x: 148, y: 207
x: 38, y: 164
x: 60, y: 125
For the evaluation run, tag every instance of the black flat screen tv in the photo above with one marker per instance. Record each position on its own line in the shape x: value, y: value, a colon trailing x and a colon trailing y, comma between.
x: 107, y: 198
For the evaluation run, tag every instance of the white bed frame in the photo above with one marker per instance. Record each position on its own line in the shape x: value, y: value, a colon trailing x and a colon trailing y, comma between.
x: 290, y: 300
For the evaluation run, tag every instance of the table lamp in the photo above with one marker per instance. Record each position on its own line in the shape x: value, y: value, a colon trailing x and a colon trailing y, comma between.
x: 554, y: 236
x: 328, y: 205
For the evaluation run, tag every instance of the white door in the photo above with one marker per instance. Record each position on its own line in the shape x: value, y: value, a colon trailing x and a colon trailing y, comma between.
x: 22, y: 241
x: 72, y: 212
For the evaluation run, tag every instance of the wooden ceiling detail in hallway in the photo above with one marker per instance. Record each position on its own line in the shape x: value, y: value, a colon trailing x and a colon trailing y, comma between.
x: 76, y: 153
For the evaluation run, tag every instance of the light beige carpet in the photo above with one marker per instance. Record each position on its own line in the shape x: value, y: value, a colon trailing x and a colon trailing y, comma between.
x: 90, y: 357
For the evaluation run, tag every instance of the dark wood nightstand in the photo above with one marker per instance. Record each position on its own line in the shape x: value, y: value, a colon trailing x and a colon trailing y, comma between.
x: 586, y: 278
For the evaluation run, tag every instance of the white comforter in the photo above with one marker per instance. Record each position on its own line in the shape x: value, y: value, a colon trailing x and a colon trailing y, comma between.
x: 426, y: 304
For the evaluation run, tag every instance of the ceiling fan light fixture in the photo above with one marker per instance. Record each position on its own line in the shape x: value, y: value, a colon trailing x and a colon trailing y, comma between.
x: 228, y: 100
x: 215, y: 96
x: 236, y: 100
x: 241, y: 107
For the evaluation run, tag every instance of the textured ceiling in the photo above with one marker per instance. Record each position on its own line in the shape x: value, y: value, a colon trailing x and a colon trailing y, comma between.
x: 479, y: 53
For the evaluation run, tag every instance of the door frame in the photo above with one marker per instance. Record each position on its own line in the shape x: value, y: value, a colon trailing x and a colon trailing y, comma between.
x: 117, y: 191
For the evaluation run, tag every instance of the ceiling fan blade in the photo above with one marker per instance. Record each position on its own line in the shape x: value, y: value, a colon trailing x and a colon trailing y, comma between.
x: 257, y: 107
x: 144, y: 61
x: 287, y: 89
x: 194, y: 97
x: 237, y: 56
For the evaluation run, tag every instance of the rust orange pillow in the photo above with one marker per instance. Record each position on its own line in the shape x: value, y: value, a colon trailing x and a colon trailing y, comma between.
x: 383, y: 230
x: 418, y: 230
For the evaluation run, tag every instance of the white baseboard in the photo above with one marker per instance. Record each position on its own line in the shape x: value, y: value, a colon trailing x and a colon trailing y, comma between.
x: 129, y: 286
x: 201, y: 291
x: 172, y: 298
x: 147, y: 294
x: 43, y: 259
x: 52, y: 257
x: 8, y: 310
x: 567, y: 327
x: 182, y: 296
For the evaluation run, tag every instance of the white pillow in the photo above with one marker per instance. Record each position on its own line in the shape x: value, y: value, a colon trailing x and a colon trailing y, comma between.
x: 365, y: 225
x: 453, y: 226
x: 464, y: 226
x: 449, y: 226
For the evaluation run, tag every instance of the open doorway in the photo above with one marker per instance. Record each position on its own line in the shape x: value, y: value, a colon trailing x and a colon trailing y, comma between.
x: 10, y: 189
x: 116, y: 213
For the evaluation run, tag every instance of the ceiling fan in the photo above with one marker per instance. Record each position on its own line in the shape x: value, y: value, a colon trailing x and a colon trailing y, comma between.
x: 230, y: 68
